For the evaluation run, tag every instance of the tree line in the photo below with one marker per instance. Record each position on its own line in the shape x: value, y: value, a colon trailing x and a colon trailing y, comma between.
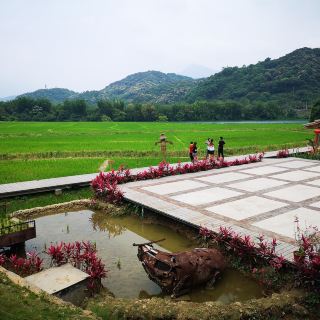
x: 29, y: 109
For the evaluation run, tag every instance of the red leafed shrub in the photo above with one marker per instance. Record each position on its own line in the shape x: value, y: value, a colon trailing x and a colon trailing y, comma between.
x: 2, y: 259
x: 283, y: 153
x: 307, y: 257
x: 105, y: 185
x: 82, y: 255
x: 23, y: 266
x: 243, y: 246
x: 106, y: 188
x: 261, y: 252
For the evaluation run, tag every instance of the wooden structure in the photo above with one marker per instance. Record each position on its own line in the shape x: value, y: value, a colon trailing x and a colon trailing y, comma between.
x: 17, y: 233
x: 316, y: 126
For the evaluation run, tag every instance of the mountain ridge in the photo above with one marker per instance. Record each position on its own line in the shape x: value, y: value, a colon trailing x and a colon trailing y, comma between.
x: 291, y: 79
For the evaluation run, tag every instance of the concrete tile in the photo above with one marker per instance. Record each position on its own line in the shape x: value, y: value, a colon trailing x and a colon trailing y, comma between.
x: 247, y: 207
x: 315, y: 169
x: 263, y: 170
x: 57, y: 278
x: 295, y: 193
x: 315, y: 182
x: 283, y: 224
x: 257, y: 184
x: 315, y: 204
x: 224, y: 177
x: 295, y: 164
x: 172, y: 187
x: 206, y: 196
x: 297, y: 175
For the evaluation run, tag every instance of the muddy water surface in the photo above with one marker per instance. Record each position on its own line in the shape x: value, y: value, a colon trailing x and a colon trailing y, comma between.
x: 114, y: 237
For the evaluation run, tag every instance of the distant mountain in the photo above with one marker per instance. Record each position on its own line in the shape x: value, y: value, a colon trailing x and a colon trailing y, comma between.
x: 142, y: 87
x: 292, y: 80
x: 150, y: 86
x: 197, y: 72
x: 7, y: 98
x: 55, y: 94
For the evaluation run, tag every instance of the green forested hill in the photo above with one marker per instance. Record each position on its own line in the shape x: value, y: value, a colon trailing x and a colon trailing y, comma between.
x: 293, y: 79
x: 150, y: 87
x: 55, y: 95
x: 292, y: 82
x: 143, y: 87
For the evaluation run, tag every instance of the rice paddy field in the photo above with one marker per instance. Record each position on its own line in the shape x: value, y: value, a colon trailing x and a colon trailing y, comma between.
x: 37, y: 150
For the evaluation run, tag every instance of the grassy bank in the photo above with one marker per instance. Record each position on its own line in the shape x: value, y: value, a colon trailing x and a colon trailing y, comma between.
x: 19, y: 304
x: 40, y: 200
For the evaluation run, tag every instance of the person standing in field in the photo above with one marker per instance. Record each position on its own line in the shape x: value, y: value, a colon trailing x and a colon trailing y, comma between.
x: 210, y: 150
x: 207, y: 142
x: 220, y: 148
x: 191, y: 151
x: 195, y: 152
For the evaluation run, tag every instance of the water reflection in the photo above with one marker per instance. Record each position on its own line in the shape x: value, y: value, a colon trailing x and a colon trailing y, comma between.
x: 101, y: 222
x: 114, y: 237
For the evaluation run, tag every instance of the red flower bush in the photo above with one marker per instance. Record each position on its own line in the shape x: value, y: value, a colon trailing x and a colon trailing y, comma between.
x: 105, y: 185
x: 82, y: 255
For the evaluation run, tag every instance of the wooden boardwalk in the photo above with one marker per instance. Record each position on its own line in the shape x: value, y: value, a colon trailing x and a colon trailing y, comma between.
x: 37, y: 186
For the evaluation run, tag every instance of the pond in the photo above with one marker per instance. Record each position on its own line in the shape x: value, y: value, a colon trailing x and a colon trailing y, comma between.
x: 114, y: 237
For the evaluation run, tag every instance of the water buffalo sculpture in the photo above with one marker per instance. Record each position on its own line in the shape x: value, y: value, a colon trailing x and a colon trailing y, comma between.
x: 177, y: 273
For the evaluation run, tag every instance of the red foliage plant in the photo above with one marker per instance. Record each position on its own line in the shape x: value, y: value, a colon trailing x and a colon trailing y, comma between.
x: 23, y: 266
x: 247, y: 250
x: 283, y: 153
x: 2, y: 259
x: 307, y: 257
x: 105, y: 185
x: 82, y: 255
x: 242, y: 245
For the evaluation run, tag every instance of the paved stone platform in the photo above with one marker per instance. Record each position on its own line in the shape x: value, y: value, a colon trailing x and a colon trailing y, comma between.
x: 259, y: 198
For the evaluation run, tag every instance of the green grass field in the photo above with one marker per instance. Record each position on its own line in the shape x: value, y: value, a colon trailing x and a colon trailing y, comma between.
x: 35, y: 150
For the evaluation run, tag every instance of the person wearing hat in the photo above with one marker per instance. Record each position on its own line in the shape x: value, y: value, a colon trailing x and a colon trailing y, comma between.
x: 163, y: 145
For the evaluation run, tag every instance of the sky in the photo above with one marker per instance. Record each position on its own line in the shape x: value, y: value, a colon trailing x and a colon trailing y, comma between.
x: 87, y: 44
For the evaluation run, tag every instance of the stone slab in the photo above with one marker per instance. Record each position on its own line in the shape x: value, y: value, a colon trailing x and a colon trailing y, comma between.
x: 172, y: 187
x: 206, y: 196
x: 314, y: 182
x: 264, y: 170
x: 246, y: 207
x: 257, y: 184
x: 315, y: 169
x: 295, y: 193
x: 295, y: 164
x: 224, y: 177
x: 297, y: 175
x: 315, y: 204
x: 284, y: 223
x: 55, y: 279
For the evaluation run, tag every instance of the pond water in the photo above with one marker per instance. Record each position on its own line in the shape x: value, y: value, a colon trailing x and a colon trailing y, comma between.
x: 114, y: 237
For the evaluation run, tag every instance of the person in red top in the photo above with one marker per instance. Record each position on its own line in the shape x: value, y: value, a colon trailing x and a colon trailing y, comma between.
x: 191, y: 151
